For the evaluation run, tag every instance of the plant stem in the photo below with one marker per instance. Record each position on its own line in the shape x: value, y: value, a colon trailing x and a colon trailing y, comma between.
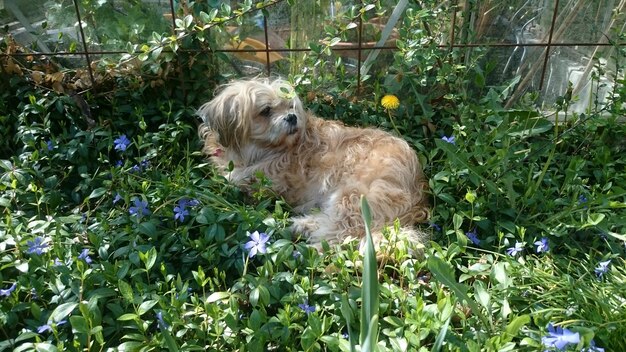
x: 551, y: 156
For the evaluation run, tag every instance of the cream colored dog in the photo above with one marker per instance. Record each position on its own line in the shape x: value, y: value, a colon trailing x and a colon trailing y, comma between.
x: 319, y: 167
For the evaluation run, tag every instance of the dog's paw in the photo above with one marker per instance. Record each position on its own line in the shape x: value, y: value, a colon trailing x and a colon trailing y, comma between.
x: 305, y: 226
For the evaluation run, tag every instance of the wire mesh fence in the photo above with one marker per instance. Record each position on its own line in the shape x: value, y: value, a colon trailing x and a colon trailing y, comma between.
x: 550, y: 45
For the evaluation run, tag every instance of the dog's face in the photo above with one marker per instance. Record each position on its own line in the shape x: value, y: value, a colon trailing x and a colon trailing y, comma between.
x: 255, y: 113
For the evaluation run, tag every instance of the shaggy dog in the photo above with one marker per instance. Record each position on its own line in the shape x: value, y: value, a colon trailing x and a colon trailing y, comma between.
x: 319, y: 167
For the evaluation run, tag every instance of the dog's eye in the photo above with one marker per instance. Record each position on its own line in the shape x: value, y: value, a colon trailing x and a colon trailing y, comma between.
x: 266, y: 111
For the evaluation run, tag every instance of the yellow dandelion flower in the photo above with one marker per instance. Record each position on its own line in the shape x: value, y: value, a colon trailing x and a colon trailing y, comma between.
x: 390, y: 102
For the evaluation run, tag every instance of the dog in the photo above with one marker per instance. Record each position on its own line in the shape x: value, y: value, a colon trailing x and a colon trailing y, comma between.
x: 320, y: 167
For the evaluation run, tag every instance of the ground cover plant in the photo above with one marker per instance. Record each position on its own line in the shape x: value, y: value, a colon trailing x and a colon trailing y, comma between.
x: 117, y: 235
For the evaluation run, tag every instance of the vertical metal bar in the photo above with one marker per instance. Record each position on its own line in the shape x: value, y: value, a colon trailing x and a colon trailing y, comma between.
x: 82, y: 36
x: 549, y: 44
x: 173, y: 10
x: 359, y: 53
x: 267, y: 46
x: 452, y: 32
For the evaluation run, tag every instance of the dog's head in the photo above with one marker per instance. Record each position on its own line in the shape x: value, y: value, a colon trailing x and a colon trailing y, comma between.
x: 255, y: 113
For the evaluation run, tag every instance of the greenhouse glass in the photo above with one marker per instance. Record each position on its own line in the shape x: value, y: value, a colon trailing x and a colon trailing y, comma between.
x: 540, y: 47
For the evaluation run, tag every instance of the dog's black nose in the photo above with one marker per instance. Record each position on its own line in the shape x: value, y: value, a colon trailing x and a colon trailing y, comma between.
x: 291, y: 119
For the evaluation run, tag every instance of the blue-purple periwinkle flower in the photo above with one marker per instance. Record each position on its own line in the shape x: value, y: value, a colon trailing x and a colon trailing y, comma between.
x: 84, y: 255
x: 139, y: 207
x: 257, y: 244
x: 121, y: 143
x: 473, y: 237
x: 37, y: 246
x: 518, y: 248
x: 559, y: 337
x: 450, y: 139
x: 7, y: 292
x: 306, y: 307
x: 542, y: 245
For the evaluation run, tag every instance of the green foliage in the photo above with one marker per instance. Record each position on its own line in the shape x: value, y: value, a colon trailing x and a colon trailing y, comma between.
x: 144, y: 247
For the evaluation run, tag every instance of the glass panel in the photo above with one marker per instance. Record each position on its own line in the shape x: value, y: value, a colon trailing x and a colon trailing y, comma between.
x: 502, y: 65
x: 587, y: 22
x: 26, y: 22
x: 114, y: 26
x: 499, y: 22
x: 570, y: 65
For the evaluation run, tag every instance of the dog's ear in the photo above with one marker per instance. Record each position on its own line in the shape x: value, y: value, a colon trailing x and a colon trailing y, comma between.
x: 227, y: 116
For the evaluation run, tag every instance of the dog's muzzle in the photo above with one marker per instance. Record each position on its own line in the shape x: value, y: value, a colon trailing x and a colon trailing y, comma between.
x: 291, y: 119
x: 292, y: 123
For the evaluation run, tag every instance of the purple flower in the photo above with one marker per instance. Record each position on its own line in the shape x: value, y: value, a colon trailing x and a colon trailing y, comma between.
x: 296, y: 254
x: 48, y: 328
x: 84, y: 255
x: 37, y: 246
x: 513, y: 251
x: 119, y: 163
x: 542, y: 245
x: 8, y: 291
x: 582, y: 199
x: 257, y: 244
x: 306, y: 307
x: 473, y: 237
x: 50, y: 145
x: 559, y: 337
x: 180, y: 212
x: 450, y: 139
x: 121, y: 143
x: 117, y: 198
x: 44, y: 328
x: 139, y: 208
x: 345, y: 335
x: 162, y: 324
x: 602, y: 268
x: 435, y: 226
x: 184, y: 202
x: 58, y: 262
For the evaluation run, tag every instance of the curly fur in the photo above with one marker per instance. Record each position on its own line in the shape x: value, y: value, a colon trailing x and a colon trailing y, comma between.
x: 320, y: 167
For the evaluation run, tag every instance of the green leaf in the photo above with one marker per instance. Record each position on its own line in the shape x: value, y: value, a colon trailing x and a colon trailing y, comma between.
x: 334, y: 41
x: 217, y: 296
x: 126, y: 290
x: 457, y: 221
x: 147, y: 228
x: 45, y: 347
x: 538, y: 125
x: 346, y: 312
x: 146, y: 306
x: 62, y: 311
x: 442, y: 272
x: 149, y: 258
x: 481, y: 294
x: 441, y: 336
x: 79, y: 324
x: 594, y: 219
x: 515, y: 325
x: 169, y: 341
x: 454, y: 157
x: 128, y: 316
x: 370, y: 342
x: 97, y: 193
x: 369, y: 288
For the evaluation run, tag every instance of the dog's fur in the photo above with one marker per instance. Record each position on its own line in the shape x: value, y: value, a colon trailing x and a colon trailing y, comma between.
x: 319, y: 167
